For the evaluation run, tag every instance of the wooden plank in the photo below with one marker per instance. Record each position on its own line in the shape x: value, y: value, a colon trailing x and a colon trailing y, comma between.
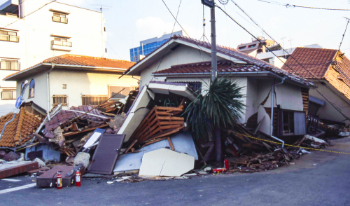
x: 17, y: 169
x: 83, y: 131
x: 171, y: 144
x: 130, y: 146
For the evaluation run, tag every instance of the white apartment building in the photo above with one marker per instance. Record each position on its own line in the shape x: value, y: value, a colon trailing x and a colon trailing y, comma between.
x: 34, y: 30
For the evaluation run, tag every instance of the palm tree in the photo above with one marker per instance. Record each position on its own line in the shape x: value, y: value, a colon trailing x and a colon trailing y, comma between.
x: 219, y: 108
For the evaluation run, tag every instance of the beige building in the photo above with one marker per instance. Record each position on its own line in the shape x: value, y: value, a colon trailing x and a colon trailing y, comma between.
x: 74, y: 80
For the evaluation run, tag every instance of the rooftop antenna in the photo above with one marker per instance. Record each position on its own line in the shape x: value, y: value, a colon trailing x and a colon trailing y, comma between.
x: 101, y: 7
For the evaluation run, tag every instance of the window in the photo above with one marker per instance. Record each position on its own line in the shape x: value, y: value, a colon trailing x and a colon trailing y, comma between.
x: 288, y: 122
x: 93, y: 99
x: 8, y: 36
x: 59, y: 99
x: 242, y: 47
x: 252, y: 46
x: 59, y: 41
x: 31, y: 89
x: 291, y: 123
x: 113, y: 92
x: 9, y: 65
x: 8, y: 94
x: 60, y: 17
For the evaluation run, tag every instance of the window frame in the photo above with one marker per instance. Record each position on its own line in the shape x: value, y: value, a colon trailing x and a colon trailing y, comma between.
x: 61, y: 16
x: 295, y: 128
x: 55, y: 103
x: 11, y: 61
x: 9, y: 35
x: 7, y: 90
x: 88, y: 102
x: 31, y: 88
x: 61, y: 40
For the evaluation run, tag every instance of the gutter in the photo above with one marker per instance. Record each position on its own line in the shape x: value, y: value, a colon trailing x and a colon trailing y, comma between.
x: 62, y: 65
x: 48, y: 91
x: 272, y: 108
x: 256, y: 73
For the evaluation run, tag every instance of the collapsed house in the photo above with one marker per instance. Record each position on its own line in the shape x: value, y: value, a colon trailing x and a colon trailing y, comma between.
x: 146, y: 133
x: 185, y: 60
x: 329, y: 70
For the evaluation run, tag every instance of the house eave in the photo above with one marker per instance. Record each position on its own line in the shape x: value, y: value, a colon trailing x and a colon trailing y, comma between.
x: 236, y: 74
x: 46, y: 66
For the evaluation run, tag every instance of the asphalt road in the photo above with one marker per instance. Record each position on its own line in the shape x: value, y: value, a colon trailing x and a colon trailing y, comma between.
x: 316, y: 179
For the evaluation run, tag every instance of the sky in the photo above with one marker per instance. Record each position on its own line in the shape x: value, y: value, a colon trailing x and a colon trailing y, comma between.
x: 129, y: 22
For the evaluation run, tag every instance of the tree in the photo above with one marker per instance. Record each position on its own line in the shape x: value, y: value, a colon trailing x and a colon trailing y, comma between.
x: 219, y: 108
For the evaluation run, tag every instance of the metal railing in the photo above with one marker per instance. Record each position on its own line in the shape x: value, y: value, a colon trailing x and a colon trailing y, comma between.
x: 62, y: 43
x: 10, y: 38
x: 60, y: 19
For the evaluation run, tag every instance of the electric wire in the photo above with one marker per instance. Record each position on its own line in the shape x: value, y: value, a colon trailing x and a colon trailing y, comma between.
x: 172, y: 31
x: 284, y: 62
x: 304, y: 7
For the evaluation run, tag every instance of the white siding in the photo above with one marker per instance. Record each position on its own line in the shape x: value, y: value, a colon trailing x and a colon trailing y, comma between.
x: 84, y: 83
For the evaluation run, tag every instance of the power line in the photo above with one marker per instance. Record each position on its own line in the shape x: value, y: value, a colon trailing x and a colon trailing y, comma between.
x: 341, y: 42
x: 178, y: 10
x: 298, y: 6
x: 300, y: 76
x: 282, y: 61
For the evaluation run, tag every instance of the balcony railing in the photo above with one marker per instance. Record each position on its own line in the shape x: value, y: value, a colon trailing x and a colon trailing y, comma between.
x: 4, y: 37
x: 60, y: 19
x: 62, y: 43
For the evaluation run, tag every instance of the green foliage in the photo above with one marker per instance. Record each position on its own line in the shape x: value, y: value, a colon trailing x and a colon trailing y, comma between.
x: 220, y: 107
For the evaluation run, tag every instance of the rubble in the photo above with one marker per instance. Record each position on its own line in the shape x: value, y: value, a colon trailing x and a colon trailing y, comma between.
x: 82, y: 158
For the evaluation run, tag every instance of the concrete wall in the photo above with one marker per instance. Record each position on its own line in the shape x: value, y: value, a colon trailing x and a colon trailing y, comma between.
x: 85, y: 83
x: 181, y: 55
x: 85, y: 27
x: 328, y: 111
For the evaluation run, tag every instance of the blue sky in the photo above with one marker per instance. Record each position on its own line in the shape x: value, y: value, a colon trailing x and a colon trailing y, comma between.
x: 129, y: 22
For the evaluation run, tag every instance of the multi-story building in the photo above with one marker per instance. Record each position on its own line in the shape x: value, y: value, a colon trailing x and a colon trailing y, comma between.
x: 34, y: 30
x: 149, y: 45
x: 269, y: 51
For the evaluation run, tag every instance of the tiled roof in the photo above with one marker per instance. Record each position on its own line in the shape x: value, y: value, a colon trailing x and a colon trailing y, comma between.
x: 315, y: 60
x: 80, y: 60
x: 71, y: 59
x: 231, y: 52
x: 64, y: 116
x: 223, y: 66
x: 328, y: 64
x: 17, y: 131
x: 205, y: 67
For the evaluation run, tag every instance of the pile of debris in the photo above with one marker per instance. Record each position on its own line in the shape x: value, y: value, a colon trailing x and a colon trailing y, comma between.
x: 263, y: 162
x: 141, y: 137
x: 312, y: 142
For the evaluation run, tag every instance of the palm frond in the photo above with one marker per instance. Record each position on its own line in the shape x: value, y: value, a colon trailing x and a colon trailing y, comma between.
x: 220, y: 107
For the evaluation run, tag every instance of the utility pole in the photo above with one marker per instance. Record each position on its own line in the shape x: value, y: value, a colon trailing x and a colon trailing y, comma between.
x: 214, y: 74
x: 214, y: 64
